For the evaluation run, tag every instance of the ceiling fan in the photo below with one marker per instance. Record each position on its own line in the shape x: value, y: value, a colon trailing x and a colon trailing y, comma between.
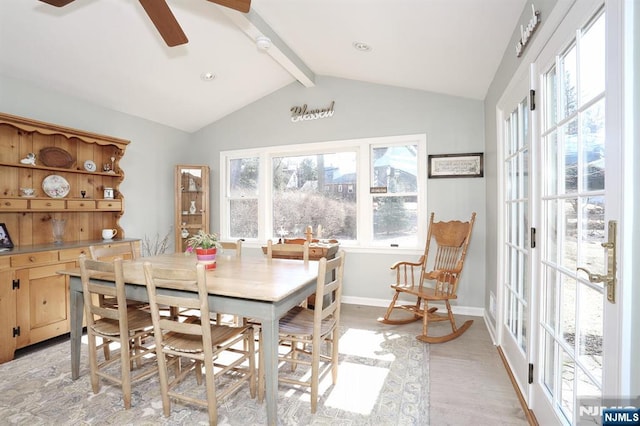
x: 163, y: 18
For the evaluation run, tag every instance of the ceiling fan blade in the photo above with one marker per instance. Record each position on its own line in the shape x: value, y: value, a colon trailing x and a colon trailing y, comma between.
x: 165, y: 22
x: 239, y: 5
x: 57, y: 3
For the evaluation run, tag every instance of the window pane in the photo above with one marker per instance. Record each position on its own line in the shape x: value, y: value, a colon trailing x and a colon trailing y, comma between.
x: 593, y: 152
x: 243, y: 217
x: 592, y: 61
x: 395, y: 219
x: 551, y: 105
x: 395, y: 168
x: 569, y: 80
x: 243, y: 177
x: 312, y: 190
x: 570, y: 146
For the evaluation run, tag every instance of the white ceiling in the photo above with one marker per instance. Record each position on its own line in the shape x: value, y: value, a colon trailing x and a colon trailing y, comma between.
x: 109, y: 53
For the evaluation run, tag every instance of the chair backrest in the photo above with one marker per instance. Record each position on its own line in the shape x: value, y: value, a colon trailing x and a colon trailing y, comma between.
x: 448, y: 243
x: 158, y: 281
x: 106, y: 252
x: 328, y: 290
x: 98, y: 278
x: 232, y: 245
x: 289, y: 250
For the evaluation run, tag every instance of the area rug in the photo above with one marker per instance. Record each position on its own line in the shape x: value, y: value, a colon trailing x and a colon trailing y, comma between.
x: 383, y: 379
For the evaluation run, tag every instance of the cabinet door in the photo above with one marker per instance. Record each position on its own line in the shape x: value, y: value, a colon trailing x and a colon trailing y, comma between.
x: 7, y: 316
x: 43, y: 303
x: 192, y: 203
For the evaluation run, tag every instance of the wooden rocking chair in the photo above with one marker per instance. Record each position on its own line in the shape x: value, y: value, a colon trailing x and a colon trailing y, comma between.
x: 437, y: 280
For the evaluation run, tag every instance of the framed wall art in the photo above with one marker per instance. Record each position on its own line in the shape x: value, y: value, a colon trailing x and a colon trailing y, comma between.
x: 5, y: 238
x: 456, y: 165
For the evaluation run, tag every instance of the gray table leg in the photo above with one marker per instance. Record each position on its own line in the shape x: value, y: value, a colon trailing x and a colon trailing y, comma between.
x: 270, y: 341
x: 77, y: 309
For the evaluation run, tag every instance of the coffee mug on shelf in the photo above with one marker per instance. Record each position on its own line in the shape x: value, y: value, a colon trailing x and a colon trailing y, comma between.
x: 108, y: 234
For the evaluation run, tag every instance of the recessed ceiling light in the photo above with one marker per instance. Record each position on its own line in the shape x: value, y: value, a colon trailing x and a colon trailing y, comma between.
x: 362, y: 47
x: 207, y: 76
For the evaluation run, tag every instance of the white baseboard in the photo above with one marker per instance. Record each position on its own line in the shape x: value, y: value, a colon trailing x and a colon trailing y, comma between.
x: 459, y: 310
x: 490, y: 329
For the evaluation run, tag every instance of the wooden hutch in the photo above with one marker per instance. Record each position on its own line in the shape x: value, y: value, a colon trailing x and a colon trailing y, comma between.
x: 71, y: 170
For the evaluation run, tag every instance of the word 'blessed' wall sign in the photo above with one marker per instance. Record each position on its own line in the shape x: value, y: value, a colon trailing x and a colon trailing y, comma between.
x: 303, y: 113
x: 526, y: 33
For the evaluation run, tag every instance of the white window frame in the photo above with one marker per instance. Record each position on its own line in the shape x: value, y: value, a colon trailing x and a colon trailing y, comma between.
x: 364, y: 215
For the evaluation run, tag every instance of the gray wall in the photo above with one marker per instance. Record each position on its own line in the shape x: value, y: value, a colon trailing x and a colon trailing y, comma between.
x: 451, y: 125
x: 148, y: 162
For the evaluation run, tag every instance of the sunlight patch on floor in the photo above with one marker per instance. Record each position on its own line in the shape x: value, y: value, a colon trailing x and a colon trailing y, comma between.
x: 358, y: 388
x: 367, y: 343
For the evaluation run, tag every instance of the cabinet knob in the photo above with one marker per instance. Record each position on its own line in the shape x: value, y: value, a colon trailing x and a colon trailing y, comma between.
x: 32, y: 259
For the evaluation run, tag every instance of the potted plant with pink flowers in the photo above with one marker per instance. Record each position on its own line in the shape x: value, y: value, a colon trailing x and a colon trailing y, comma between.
x: 206, y: 246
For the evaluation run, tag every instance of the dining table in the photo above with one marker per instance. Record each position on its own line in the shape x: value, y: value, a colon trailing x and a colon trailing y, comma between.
x: 248, y: 286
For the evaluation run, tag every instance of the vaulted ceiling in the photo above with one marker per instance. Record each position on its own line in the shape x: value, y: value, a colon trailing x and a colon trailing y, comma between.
x: 108, y: 52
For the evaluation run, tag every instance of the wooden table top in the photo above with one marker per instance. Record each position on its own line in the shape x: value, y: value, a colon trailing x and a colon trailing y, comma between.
x: 247, y: 277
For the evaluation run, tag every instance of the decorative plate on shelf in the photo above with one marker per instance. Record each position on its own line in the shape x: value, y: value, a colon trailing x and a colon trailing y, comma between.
x: 53, y: 156
x: 90, y: 166
x: 55, y: 186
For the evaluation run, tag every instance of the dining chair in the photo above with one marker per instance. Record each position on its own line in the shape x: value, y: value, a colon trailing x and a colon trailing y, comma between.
x: 114, y: 323
x: 302, y: 332
x: 235, y: 246
x: 197, y: 340
x: 433, y: 278
x: 289, y: 250
x: 106, y: 252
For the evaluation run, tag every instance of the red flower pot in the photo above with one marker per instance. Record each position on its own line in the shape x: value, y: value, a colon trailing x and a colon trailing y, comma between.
x: 207, y: 257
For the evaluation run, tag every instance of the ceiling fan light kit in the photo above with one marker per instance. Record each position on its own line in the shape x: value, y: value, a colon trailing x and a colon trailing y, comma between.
x: 164, y: 20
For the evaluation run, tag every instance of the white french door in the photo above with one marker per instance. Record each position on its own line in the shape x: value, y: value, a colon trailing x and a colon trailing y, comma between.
x: 576, y: 327
x: 515, y: 293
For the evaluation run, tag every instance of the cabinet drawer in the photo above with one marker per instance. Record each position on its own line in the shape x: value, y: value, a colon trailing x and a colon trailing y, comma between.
x: 29, y: 259
x: 81, y: 205
x: 115, y: 205
x: 47, y: 204
x: 73, y: 254
x: 13, y: 204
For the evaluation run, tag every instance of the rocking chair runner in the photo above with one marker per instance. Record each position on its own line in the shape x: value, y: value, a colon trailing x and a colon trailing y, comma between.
x: 437, y: 280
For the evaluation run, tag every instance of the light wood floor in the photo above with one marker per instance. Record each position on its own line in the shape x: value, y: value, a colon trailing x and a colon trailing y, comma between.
x: 468, y: 381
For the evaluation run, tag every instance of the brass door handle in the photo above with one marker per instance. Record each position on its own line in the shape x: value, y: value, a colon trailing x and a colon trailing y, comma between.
x: 596, y: 278
x: 610, y: 278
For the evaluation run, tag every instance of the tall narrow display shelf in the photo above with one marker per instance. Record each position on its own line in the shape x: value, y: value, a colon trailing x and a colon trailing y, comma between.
x: 50, y: 173
x: 191, y: 203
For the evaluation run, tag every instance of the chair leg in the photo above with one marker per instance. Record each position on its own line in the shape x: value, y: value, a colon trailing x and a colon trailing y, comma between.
x: 250, y: 341
x: 211, y: 391
x: 387, y: 316
x: 456, y: 332
x: 125, y: 370
x: 164, y: 381
x: 93, y: 362
x: 315, y: 372
x: 261, y: 379
x: 334, y: 355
